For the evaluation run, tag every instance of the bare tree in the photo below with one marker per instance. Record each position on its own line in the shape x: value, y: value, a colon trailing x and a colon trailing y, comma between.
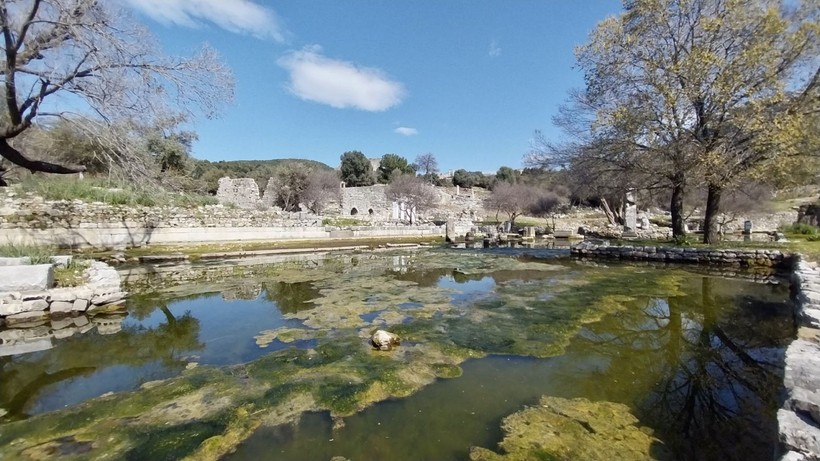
x: 94, y: 52
x: 322, y: 188
x: 413, y: 195
x: 511, y: 199
x: 546, y: 204
x: 427, y: 164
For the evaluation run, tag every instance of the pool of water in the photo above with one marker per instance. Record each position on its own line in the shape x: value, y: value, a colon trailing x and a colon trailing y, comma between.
x: 271, y: 361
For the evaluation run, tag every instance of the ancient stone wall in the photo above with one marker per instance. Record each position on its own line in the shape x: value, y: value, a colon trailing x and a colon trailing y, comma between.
x: 367, y: 203
x: 242, y: 192
x: 711, y: 256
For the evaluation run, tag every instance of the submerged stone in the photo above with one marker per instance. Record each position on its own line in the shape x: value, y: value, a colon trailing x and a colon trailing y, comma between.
x: 384, y: 340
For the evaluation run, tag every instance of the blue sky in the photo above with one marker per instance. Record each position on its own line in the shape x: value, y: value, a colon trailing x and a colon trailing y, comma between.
x: 466, y: 80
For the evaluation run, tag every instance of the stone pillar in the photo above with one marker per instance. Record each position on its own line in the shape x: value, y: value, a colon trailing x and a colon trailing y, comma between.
x: 631, y: 214
x: 458, y: 190
x: 747, y: 227
x: 450, y: 231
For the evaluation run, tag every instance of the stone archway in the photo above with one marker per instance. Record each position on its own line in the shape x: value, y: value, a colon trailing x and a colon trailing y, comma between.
x: 354, y: 211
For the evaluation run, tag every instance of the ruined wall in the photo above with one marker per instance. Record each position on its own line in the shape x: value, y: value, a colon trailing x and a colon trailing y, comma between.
x: 242, y: 192
x: 367, y: 203
x: 32, y: 220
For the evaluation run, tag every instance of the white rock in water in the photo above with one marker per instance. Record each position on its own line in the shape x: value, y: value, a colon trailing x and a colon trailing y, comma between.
x: 384, y: 340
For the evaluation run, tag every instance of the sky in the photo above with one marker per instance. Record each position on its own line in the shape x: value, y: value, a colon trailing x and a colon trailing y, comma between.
x: 466, y: 80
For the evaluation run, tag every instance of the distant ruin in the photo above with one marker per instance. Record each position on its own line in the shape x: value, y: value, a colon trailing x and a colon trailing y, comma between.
x: 369, y: 203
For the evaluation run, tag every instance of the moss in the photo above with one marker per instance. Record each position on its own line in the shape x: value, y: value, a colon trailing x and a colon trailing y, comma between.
x: 341, y: 373
x: 573, y: 429
x: 446, y: 370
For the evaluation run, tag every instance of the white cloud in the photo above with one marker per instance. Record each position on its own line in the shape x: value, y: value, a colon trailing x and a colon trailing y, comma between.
x: 239, y: 16
x: 339, y: 84
x: 495, y: 50
x: 406, y: 131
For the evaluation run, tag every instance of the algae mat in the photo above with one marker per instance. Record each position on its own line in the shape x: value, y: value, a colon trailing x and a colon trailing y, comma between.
x: 272, y: 361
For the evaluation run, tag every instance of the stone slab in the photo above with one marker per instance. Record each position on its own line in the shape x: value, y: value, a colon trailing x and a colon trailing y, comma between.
x: 37, y: 277
x: 26, y: 347
x: 61, y: 307
x: 8, y: 261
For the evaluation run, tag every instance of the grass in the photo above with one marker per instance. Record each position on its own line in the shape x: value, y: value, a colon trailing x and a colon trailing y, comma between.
x: 71, y: 275
x: 38, y: 254
x: 110, y: 192
x: 342, y: 222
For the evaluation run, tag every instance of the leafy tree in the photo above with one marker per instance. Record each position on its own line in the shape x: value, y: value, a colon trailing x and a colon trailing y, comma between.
x: 427, y: 165
x: 507, y: 174
x: 708, y: 91
x: 322, y: 188
x: 463, y: 178
x: 392, y: 165
x: 413, y: 194
x: 356, y: 169
x: 511, y: 199
x: 94, y: 53
x: 289, y: 184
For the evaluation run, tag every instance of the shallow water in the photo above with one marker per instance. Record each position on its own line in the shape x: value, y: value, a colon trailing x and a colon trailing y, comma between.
x: 697, y: 359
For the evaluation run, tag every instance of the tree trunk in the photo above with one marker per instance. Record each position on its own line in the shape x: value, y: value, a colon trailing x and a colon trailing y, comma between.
x: 710, y: 222
x: 676, y: 205
x: 608, y: 212
x: 14, y: 156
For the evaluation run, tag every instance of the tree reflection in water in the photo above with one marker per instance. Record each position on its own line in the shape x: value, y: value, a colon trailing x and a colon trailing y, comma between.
x: 717, y: 376
x: 24, y: 378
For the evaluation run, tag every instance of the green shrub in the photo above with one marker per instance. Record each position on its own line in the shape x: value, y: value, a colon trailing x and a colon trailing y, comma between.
x: 800, y: 229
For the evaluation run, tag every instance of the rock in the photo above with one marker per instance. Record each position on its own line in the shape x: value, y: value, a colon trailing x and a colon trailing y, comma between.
x: 796, y: 435
x: 39, y: 277
x: 32, y: 317
x: 62, y: 294
x: 35, y: 305
x: 61, y: 307
x: 384, y: 340
x: 6, y: 261
x: 61, y: 261
x: 99, y: 300
x: 79, y: 305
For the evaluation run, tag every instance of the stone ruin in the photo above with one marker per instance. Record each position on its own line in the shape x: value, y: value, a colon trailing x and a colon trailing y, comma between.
x: 242, y: 192
x: 368, y: 203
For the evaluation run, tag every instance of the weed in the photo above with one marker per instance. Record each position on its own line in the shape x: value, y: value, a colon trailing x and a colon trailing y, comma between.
x: 38, y: 254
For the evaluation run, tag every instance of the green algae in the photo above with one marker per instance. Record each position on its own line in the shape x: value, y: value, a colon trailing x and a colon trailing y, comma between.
x: 558, y: 429
x: 534, y: 310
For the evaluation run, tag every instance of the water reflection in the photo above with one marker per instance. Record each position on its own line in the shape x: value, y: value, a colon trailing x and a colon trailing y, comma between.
x: 291, y: 297
x: 696, y: 358
x: 81, y: 366
x: 703, y: 369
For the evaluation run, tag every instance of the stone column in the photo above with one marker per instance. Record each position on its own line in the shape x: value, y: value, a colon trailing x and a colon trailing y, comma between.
x: 631, y: 214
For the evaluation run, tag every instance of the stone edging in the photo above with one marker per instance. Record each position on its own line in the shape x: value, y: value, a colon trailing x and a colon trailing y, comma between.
x: 711, y: 256
x: 799, y: 419
x: 101, y: 293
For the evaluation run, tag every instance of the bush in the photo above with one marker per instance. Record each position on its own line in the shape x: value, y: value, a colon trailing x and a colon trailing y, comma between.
x: 800, y: 229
